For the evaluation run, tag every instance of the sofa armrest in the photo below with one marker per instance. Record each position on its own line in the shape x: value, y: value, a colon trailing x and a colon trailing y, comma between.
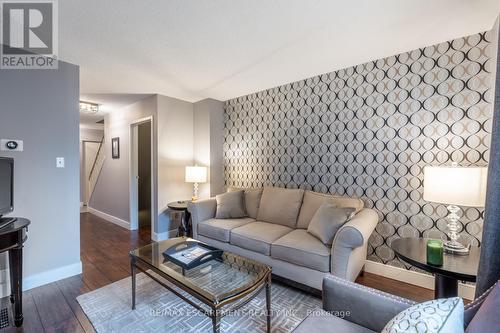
x: 350, y: 244
x: 201, y: 210
x: 365, y: 306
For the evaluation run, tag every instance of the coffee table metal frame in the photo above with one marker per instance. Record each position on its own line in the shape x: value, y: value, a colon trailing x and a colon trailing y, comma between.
x: 215, y: 313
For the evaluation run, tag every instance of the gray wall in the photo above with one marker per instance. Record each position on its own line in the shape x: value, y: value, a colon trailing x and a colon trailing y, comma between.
x: 172, y: 151
x: 111, y: 194
x: 41, y: 108
x: 208, y: 141
x: 175, y: 151
x: 369, y: 130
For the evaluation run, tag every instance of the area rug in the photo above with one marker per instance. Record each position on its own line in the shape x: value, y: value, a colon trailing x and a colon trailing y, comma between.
x: 159, y: 310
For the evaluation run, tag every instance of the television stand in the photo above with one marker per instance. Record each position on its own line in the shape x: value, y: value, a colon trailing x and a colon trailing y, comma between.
x: 5, y: 221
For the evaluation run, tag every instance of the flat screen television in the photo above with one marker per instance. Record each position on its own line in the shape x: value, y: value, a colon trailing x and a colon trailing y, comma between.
x: 6, y: 189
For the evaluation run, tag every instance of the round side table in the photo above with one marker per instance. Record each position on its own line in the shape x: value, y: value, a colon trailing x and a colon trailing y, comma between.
x: 455, y: 267
x: 184, y: 227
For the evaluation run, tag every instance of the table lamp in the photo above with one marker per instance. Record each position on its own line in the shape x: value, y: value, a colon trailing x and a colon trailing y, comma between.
x: 196, y: 174
x: 455, y: 186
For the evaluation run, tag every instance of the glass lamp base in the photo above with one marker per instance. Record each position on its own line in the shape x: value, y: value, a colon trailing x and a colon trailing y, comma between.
x: 456, y: 248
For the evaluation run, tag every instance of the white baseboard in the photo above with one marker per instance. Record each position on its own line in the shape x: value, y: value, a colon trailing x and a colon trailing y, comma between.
x: 416, y: 278
x: 109, y: 218
x: 157, y: 237
x: 40, y: 279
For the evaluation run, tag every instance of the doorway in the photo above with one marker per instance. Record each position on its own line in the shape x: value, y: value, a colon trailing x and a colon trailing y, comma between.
x: 89, y: 154
x: 144, y: 174
x: 142, y: 195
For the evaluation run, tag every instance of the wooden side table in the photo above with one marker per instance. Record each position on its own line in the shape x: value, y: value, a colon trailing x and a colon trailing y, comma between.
x: 185, y: 227
x: 455, y: 267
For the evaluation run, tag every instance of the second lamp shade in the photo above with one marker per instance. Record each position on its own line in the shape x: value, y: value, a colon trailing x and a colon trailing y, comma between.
x: 455, y: 185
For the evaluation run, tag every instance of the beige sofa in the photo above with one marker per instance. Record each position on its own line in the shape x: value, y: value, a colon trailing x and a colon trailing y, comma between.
x: 275, y: 233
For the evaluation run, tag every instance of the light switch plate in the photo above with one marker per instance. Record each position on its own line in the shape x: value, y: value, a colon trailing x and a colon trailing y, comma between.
x: 7, y: 145
x: 60, y: 162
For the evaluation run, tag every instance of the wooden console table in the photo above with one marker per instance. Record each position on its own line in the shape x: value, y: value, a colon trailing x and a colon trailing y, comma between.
x: 12, y: 238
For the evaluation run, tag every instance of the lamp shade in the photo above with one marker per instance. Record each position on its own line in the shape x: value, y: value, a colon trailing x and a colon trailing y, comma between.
x: 455, y: 185
x: 196, y: 174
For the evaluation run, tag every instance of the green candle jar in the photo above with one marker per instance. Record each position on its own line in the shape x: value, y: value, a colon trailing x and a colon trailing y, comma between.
x: 435, y: 252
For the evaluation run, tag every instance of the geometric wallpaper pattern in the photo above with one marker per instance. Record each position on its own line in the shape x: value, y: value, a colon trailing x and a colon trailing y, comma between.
x: 368, y: 131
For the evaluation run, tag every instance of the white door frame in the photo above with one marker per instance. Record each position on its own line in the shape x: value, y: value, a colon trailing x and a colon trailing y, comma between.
x: 133, y: 184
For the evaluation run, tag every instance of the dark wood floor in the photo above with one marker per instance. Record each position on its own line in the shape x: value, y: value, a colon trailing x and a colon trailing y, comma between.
x: 53, y: 307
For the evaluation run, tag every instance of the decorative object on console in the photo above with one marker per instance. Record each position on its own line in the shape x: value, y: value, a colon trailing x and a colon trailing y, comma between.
x: 115, y: 148
x: 435, y: 252
x: 455, y: 186
x: 196, y: 174
x: 230, y: 205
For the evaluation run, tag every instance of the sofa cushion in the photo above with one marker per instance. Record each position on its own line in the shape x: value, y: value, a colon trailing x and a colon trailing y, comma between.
x: 280, y: 206
x: 488, y: 315
x: 324, y: 321
x: 220, y: 229
x: 252, y: 199
x: 327, y: 221
x: 303, y: 249
x: 230, y: 205
x: 258, y: 236
x: 313, y: 200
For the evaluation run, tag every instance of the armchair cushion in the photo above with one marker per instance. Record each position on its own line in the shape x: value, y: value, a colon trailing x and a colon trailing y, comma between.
x: 327, y: 221
x: 439, y: 315
x: 220, y: 229
x: 258, y: 236
x: 230, y: 205
x: 280, y: 206
x: 300, y: 248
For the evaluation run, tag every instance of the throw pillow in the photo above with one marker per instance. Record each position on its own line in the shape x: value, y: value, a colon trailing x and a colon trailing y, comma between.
x: 252, y: 199
x: 439, y: 315
x: 327, y: 221
x: 230, y: 205
x: 488, y: 315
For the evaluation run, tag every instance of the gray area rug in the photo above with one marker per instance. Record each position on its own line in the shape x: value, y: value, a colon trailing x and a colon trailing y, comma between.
x: 159, y: 310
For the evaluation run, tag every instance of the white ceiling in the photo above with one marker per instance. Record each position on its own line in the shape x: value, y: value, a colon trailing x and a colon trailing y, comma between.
x: 222, y: 49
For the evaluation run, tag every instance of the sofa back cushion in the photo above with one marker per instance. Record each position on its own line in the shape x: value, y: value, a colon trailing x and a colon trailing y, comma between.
x: 252, y: 199
x: 313, y: 200
x: 280, y: 206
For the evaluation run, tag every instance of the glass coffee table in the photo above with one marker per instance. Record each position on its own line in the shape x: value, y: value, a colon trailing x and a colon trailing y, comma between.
x: 215, y: 288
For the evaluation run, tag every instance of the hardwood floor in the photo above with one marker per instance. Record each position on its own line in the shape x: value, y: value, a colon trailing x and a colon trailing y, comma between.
x: 53, y: 307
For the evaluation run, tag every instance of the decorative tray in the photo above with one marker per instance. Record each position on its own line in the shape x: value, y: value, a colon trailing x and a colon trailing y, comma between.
x: 190, y: 254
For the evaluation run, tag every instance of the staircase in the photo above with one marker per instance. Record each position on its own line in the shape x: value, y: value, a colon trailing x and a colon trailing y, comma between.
x: 96, y: 170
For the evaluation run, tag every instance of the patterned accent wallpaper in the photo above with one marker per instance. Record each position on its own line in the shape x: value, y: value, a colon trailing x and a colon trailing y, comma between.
x: 368, y: 131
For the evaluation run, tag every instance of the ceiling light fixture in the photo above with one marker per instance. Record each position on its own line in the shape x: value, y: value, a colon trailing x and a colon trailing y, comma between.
x: 87, y: 107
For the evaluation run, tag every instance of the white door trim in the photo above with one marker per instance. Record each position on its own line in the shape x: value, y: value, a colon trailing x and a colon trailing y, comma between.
x: 133, y: 186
